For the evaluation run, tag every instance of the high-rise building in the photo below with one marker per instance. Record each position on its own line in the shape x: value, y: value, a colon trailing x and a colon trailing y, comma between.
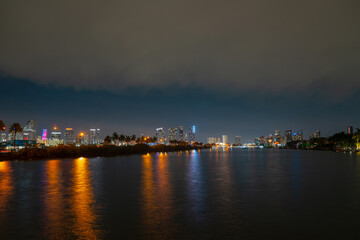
x: 44, y: 134
x: 92, y: 136
x: 29, y: 132
x: 288, y: 135
x: 277, y: 132
x: 350, y: 130
x: 56, y: 133
x: 172, y: 134
x: 69, y: 136
x: 298, y: 136
x: 211, y: 140
x: 3, y: 137
x: 192, y: 131
x: 315, y: 134
x: 238, y: 140
x: 225, y: 139
x: 181, y: 133
x: 160, y: 135
x: 97, y: 136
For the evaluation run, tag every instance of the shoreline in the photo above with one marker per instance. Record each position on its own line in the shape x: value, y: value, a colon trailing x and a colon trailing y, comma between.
x: 71, y: 151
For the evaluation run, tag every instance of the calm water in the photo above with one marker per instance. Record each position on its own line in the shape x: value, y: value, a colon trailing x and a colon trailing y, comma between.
x: 239, y: 194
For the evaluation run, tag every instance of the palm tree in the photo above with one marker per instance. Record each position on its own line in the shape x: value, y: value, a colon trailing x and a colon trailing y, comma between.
x: 133, y: 137
x: 115, y: 137
x: 122, y: 138
x: 127, y: 139
x: 15, y: 128
x: 107, y: 140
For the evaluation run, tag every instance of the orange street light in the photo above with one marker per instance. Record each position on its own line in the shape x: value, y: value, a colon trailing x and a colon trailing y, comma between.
x: 81, y: 134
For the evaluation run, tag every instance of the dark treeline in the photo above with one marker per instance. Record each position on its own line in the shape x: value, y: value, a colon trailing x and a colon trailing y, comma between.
x: 72, y: 151
x: 337, y: 142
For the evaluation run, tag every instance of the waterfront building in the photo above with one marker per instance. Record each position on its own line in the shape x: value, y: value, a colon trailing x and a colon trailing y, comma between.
x: 172, y: 134
x: 225, y: 139
x: 29, y: 130
x: 44, y: 134
x: 315, y: 134
x: 192, y: 131
x: 181, y: 133
x: 160, y: 135
x: 69, y: 136
x: 238, y: 140
x: 350, y: 130
x: 97, y: 136
x: 3, y: 137
x: 56, y: 133
x: 288, y: 135
x: 298, y: 136
x: 92, y: 136
x: 211, y: 140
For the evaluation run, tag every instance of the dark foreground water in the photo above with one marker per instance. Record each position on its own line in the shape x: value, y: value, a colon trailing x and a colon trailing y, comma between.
x: 239, y: 194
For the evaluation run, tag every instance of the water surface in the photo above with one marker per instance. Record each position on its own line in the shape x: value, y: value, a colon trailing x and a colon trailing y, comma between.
x: 236, y: 194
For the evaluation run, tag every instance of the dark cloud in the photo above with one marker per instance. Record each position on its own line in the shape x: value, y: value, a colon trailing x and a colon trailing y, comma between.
x: 227, y: 45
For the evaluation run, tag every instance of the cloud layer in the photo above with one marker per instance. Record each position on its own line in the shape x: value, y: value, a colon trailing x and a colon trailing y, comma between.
x: 227, y: 45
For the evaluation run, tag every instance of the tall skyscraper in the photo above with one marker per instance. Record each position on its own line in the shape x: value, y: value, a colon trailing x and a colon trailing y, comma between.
x: 181, y: 133
x: 172, y: 134
x: 29, y: 130
x: 56, y: 133
x: 192, y: 131
x: 69, y: 136
x: 160, y: 135
x: 350, y: 130
x: 92, y: 136
x: 97, y: 136
x: 238, y: 140
x: 225, y: 139
x: 44, y: 134
x: 277, y: 132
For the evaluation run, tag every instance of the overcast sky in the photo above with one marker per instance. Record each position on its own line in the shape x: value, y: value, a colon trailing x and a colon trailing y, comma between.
x: 230, y: 67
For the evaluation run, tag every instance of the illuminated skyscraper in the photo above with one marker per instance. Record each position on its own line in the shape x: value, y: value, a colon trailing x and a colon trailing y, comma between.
x: 97, y: 136
x: 350, y: 130
x: 172, y: 134
x: 192, y: 134
x: 225, y: 139
x: 211, y: 140
x: 181, y: 133
x: 288, y: 135
x: 160, y: 135
x: 69, y: 136
x: 238, y: 140
x: 29, y: 131
x: 44, y: 134
x: 56, y: 133
x: 92, y: 136
x: 3, y: 137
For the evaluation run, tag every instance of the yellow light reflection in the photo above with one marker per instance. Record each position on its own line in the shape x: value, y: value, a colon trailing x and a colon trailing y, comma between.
x: 54, y: 201
x: 6, y: 189
x: 83, y: 202
x: 157, y: 202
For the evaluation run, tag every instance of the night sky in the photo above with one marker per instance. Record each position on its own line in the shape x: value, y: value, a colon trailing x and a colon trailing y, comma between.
x: 229, y: 67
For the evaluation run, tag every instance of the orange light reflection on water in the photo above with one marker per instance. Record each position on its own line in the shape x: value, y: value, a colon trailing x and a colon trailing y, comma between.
x: 6, y: 188
x: 83, y: 202
x: 157, y: 202
x: 54, y: 202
